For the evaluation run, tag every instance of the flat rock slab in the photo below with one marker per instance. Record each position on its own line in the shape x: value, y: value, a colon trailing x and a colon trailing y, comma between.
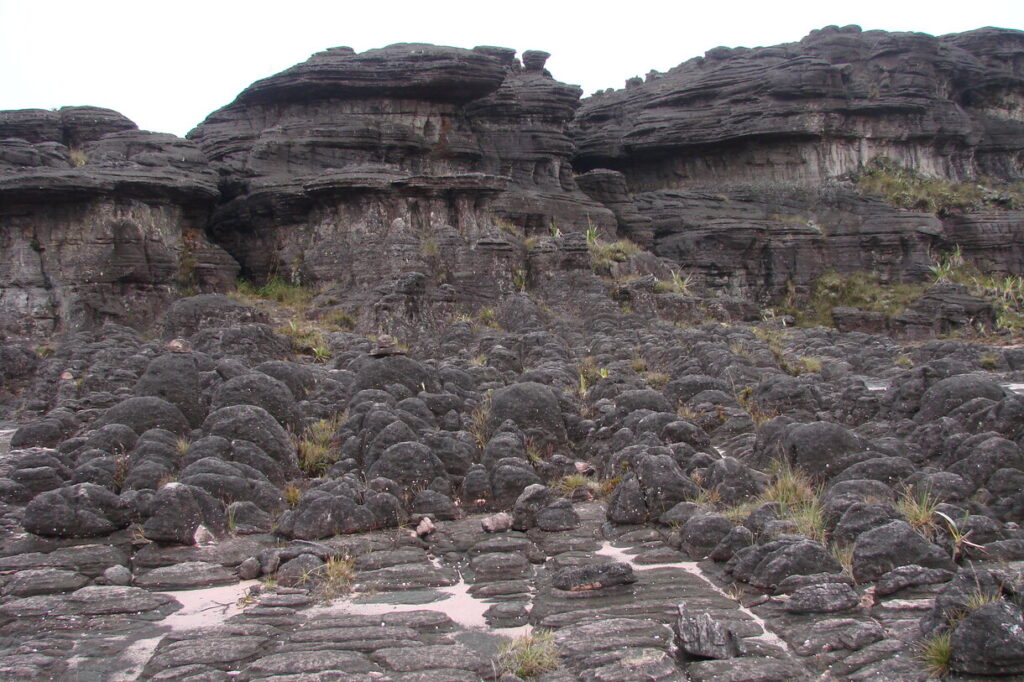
x: 214, y: 651
x: 38, y: 581
x: 192, y: 574
x: 405, y: 577
x: 306, y: 662
x: 95, y: 600
x: 412, y: 659
x: 593, y: 576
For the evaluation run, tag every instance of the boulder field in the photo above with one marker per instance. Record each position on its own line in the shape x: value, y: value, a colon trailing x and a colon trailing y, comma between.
x: 412, y: 365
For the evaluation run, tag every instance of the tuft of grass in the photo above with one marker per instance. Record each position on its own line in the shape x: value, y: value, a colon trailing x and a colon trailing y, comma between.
x: 638, y: 363
x: 603, y: 254
x: 918, y: 507
x: 293, y: 495
x: 657, y: 380
x: 989, y: 361
x: 314, y: 447
x: 799, y: 498
x: 488, y: 317
x: 843, y: 554
x: 530, y: 655
x: 45, y: 351
x: 339, y: 319
x: 810, y: 364
x: 306, y: 339
x: 480, y: 426
x: 906, y: 188
x: 335, y: 578
x: 278, y: 290
x: 862, y: 290
x: 935, y: 653
x: 181, y: 446
x: 903, y: 360
x: 77, y: 157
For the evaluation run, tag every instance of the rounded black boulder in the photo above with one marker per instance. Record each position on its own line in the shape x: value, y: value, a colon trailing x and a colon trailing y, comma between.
x: 533, y: 407
x: 408, y: 463
x: 143, y: 413
x: 77, y: 511
x: 175, y: 378
x: 254, y: 424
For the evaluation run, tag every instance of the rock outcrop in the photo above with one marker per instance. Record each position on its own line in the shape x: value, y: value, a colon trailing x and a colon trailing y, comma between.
x: 734, y: 159
x: 100, y: 221
x: 397, y: 175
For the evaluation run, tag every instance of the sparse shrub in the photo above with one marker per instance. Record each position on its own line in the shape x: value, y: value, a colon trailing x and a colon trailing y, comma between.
x: 903, y: 360
x: 488, y: 317
x: 811, y: 364
x: 799, y: 498
x: 657, y: 380
x: 906, y: 188
x: 989, y: 361
x: 306, y: 339
x: 530, y: 655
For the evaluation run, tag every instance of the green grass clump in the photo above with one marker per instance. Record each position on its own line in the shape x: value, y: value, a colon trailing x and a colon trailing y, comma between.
x: 278, y: 290
x: 858, y: 290
x: 314, y: 447
x: 906, y: 188
x: 799, y: 499
x: 918, y: 508
x: 936, y: 652
x: 306, y: 339
x: 335, y: 578
x: 603, y: 254
x: 339, y: 319
x: 529, y: 656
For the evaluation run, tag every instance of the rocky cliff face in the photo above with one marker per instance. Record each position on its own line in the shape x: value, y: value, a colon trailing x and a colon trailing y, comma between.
x: 100, y: 221
x: 734, y: 161
x: 410, y: 169
x: 417, y: 178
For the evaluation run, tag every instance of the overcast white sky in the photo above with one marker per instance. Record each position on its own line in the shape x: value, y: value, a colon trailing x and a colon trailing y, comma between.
x: 166, y: 65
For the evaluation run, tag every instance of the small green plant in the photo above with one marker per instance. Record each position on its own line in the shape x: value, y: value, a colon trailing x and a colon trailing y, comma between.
x: 936, y: 652
x: 530, y: 655
x: 488, y: 317
x: 45, y: 351
x: 182, y: 445
x: 603, y: 254
x: 339, y: 319
x: 306, y: 339
x: 638, y: 363
x: 798, y: 497
x: 556, y: 233
x: 957, y: 537
x: 293, y: 495
x: 278, y: 290
x: 843, y: 554
x: 903, y: 360
x: 918, y: 507
x: 314, y: 447
x: 479, y: 425
x: 520, y: 280
x: 679, y: 284
x: 657, y: 380
x: 989, y: 361
x: 335, y: 578
x: 810, y: 364
x: 592, y: 234
x: 77, y: 157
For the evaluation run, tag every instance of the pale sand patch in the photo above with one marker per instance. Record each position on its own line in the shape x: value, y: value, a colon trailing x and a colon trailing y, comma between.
x: 208, y: 606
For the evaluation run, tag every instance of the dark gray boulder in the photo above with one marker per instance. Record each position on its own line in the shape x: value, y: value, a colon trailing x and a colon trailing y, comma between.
x: 989, y: 641
x: 254, y: 424
x: 593, y: 577
x: 174, y: 377
x: 410, y: 464
x: 882, y: 549
x: 143, y: 413
x: 262, y: 390
x: 177, y: 511
x: 82, y: 510
x: 533, y: 407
